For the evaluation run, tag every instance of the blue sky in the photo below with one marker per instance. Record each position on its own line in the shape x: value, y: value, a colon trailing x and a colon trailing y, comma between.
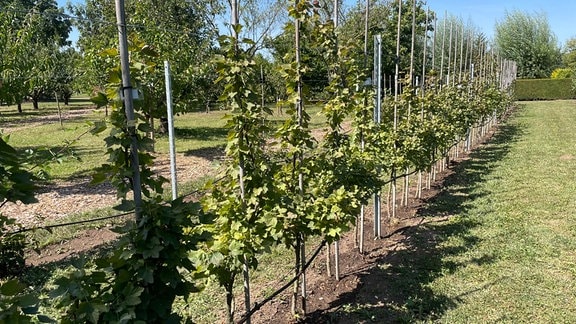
x: 484, y: 13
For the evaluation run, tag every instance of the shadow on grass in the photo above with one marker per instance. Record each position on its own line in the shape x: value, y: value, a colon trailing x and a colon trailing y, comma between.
x: 208, y: 153
x: 396, y: 287
x: 201, y: 133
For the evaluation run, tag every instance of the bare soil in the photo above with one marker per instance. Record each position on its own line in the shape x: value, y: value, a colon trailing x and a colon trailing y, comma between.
x: 326, y: 296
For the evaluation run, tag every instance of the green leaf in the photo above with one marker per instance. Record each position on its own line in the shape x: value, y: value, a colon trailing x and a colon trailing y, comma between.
x: 100, y: 100
x: 98, y: 178
x: 98, y: 127
x: 109, y: 52
x: 45, y: 319
x: 11, y: 288
x: 134, y: 298
x: 126, y: 205
x: 148, y: 51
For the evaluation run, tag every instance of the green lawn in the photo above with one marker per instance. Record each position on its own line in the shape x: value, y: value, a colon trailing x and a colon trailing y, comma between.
x: 195, y: 133
x: 522, y: 264
x: 508, y: 252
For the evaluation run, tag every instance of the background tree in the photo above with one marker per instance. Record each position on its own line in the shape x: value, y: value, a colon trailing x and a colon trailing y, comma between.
x: 13, y: 53
x: 33, y: 32
x: 179, y: 31
x: 65, y: 73
x: 569, y: 54
x: 261, y: 19
x: 528, y: 40
x: 384, y: 20
x: 453, y: 38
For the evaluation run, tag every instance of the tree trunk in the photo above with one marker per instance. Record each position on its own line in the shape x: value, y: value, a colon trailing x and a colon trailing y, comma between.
x: 229, y: 287
x: 35, y: 103
x: 20, y: 107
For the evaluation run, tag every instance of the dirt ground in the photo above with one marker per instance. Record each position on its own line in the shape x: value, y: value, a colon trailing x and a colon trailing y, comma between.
x: 327, y: 296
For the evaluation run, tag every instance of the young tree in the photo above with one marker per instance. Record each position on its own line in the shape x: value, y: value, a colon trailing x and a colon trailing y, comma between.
x: 528, y: 40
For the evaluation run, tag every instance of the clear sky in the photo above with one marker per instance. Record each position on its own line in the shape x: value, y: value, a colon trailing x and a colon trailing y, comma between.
x: 561, y: 14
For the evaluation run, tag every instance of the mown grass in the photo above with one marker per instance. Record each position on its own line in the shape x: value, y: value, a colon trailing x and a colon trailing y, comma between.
x: 197, y: 133
x: 507, y: 254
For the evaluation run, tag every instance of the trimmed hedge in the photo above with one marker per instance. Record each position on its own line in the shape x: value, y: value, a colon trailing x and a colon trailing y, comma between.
x: 543, y: 89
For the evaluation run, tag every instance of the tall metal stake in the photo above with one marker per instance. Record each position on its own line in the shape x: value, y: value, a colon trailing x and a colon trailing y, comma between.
x: 337, y: 243
x: 262, y: 84
x: 128, y: 105
x: 407, y: 170
x: 335, y: 18
x: 434, y: 44
x: 422, y: 92
x: 361, y: 222
x: 424, y: 56
x: 449, y: 53
x: 443, y: 50
x: 173, y: 177
x: 377, y: 110
x: 396, y: 92
x: 461, y: 54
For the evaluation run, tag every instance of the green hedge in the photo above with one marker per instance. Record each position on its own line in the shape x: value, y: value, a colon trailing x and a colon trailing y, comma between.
x: 543, y: 89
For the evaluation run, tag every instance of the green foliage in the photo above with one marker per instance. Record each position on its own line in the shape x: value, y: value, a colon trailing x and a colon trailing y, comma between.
x: 272, y: 193
x: 151, y: 261
x: 32, y: 34
x: 188, y: 48
x: 346, y: 177
x: 244, y: 199
x: 16, y: 184
x: 569, y: 53
x: 561, y: 73
x: 528, y: 40
x: 543, y: 89
x: 19, y: 306
x: 12, y: 246
x: 119, y: 170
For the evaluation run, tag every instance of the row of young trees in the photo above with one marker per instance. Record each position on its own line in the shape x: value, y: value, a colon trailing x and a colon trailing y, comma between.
x: 281, y: 186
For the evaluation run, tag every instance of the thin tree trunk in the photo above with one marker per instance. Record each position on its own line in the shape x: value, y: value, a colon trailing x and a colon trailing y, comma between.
x: 229, y: 287
x: 59, y: 110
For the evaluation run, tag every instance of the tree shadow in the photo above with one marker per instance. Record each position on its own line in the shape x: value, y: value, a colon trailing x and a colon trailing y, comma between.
x: 201, y: 133
x: 215, y: 153
x: 395, y: 286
